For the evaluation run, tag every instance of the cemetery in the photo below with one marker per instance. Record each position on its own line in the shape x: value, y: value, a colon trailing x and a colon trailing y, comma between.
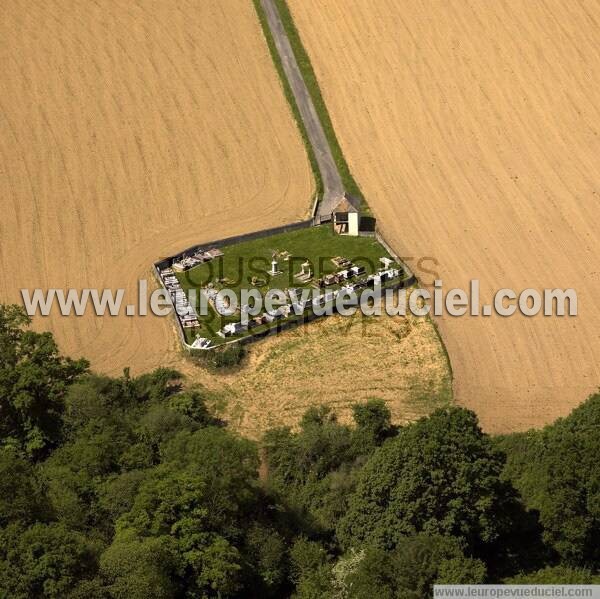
x: 314, y: 258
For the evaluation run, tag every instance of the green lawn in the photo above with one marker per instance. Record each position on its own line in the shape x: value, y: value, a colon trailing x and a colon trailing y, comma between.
x: 243, y: 261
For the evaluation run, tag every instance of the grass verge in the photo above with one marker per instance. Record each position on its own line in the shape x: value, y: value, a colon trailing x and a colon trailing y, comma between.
x: 446, y: 354
x: 289, y: 96
x: 315, y: 92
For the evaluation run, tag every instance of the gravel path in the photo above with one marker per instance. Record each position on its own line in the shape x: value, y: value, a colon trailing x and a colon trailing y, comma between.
x: 332, y: 182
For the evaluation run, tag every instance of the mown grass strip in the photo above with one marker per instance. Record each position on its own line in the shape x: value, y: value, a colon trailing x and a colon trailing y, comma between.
x: 289, y: 95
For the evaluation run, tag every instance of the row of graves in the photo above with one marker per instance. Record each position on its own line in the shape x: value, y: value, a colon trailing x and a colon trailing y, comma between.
x: 186, y: 262
x: 349, y: 271
x: 184, y: 310
x: 350, y: 279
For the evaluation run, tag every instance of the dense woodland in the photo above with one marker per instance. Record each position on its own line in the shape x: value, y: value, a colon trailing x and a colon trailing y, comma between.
x: 129, y: 488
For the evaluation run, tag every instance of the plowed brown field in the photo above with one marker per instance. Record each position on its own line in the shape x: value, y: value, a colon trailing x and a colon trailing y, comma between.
x: 473, y: 128
x: 130, y: 130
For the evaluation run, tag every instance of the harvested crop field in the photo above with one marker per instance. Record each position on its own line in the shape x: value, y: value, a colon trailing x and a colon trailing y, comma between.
x: 334, y: 361
x: 473, y: 129
x: 128, y: 131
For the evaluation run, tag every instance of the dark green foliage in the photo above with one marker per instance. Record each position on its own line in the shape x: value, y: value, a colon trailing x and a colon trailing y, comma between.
x: 556, y: 575
x: 137, y: 568
x: 216, y: 454
x: 176, y: 510
x: 373, y: 425
x: 558, y: 473
x: 202, y: 503
x: 412, y: 568
x: 191, y: 405
x: 95, y: 400
x: 439, y: 476
x: 222, y: 358
x: 34, y: 378
x: 311, y: 570
x: 44, y: 560
x: 315, y: 468
x: 74, y: 471
x: 321, y: 446
x: 117, y: 493
x: 22, y: 497
x: 232, y: 355
x: 129, y: 487
x: 266, y: 549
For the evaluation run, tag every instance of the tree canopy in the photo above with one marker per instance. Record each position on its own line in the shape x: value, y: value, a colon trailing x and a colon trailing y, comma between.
x: 557, y: 472
x: 129, y: 487
x: 34, y: 378
x: 439, y: 476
